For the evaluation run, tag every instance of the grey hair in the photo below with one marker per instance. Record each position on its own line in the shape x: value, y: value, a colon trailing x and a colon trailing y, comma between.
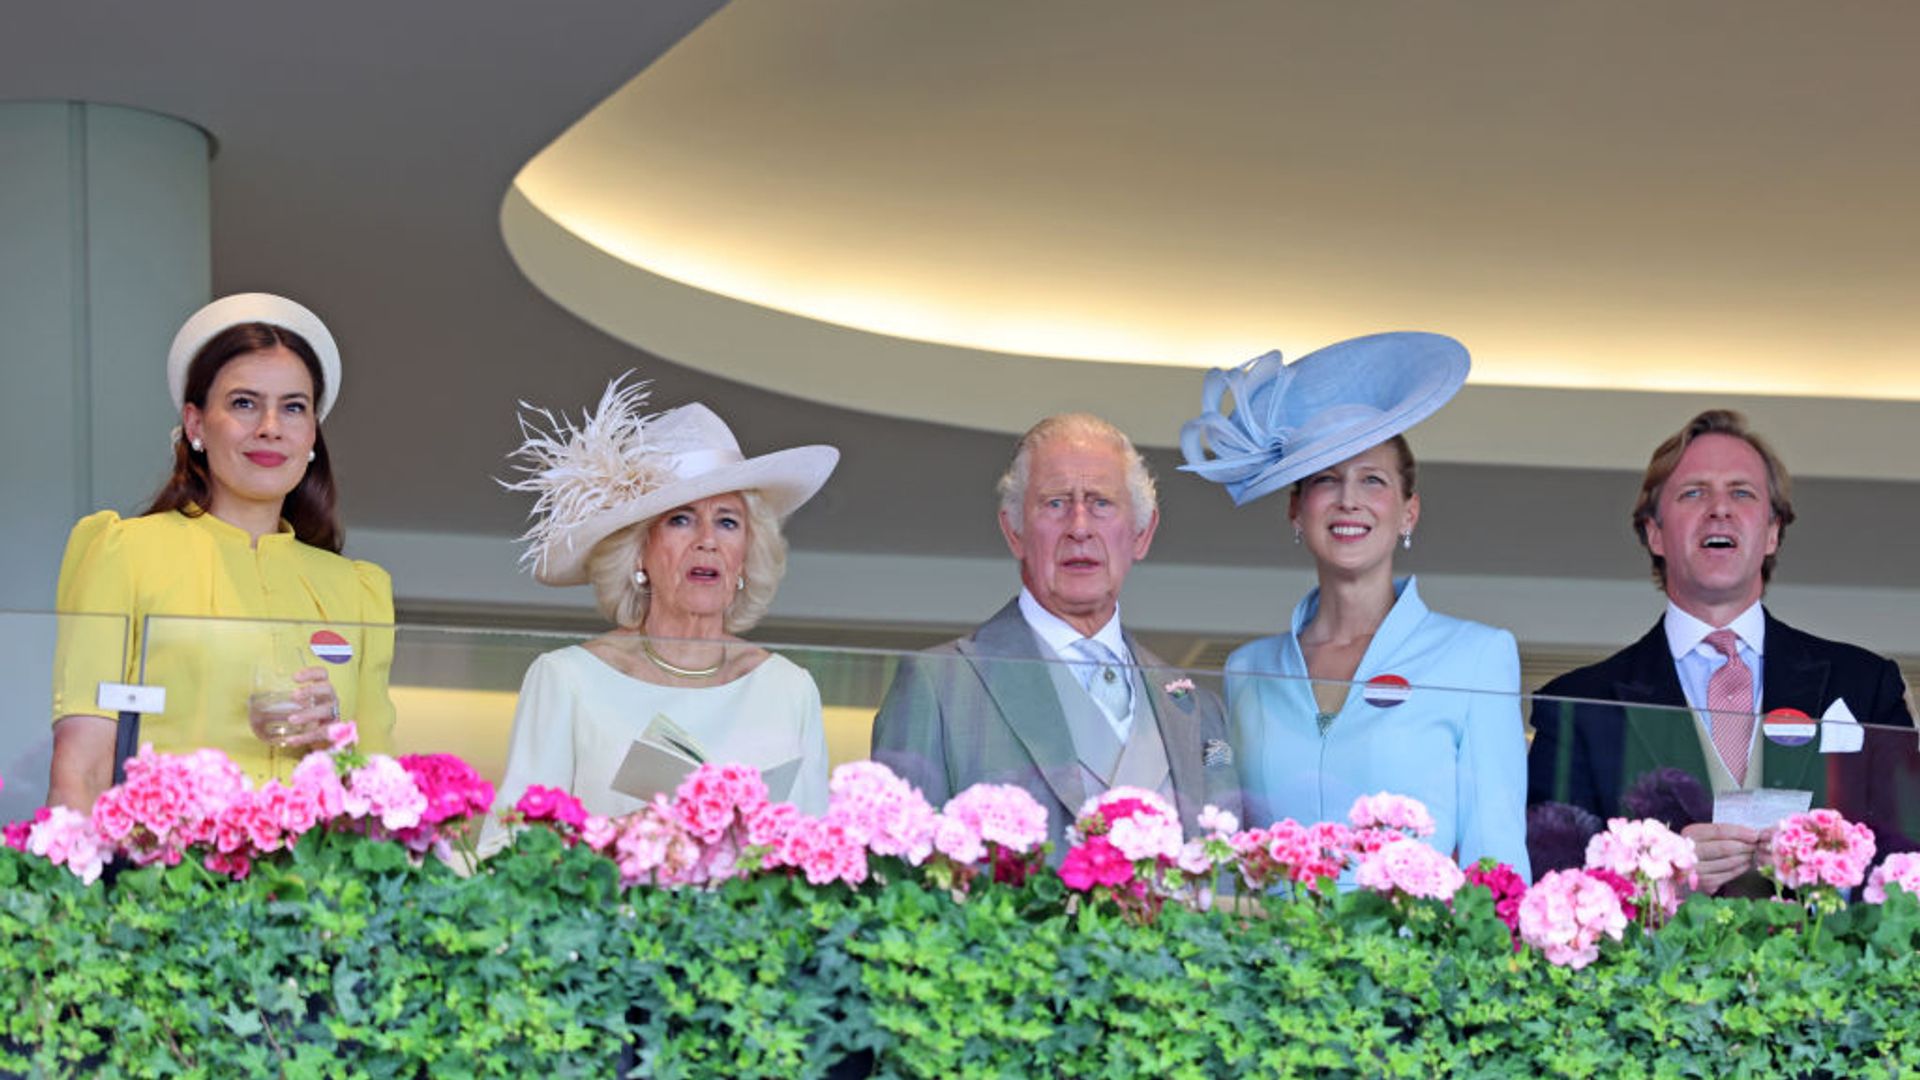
x: 1013, y: 483
x: 611, y: 563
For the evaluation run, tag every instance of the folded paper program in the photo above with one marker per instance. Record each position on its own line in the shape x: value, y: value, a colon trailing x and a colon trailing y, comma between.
x: 664, y: 754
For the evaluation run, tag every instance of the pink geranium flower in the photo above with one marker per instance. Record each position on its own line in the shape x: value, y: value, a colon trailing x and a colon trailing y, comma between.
x: 1219, y: 822
x: 1622, y: 888
x: 341, y: 735
x: 1567, y: 914
x: 650, y: 846
x: 15, y: 834
x: 1289, y: 853
x: 1138, y: 823
x: 1508, y: 890
x: 319, y: 778
x: 713, y: 797
x: 1658, y: 863
x: 453, y: 789
x: 990, y: 815
x: 882, y: 811
x: 1819, y: 849
x: 1381, y: 818
x: 1902, y: 869
x: 384, y: 791
x: 1409, y: 867
x: 542, y: 803
x: 68, y: 838
x: 1095, y: 862
x: 823, y: 850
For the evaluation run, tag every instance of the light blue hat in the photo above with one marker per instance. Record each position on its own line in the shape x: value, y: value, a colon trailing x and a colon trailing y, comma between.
x: 1292, y: 420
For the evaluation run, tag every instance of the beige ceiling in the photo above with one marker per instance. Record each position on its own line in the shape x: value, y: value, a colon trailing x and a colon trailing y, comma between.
x: 1715, y: 198
x: 446, y: 332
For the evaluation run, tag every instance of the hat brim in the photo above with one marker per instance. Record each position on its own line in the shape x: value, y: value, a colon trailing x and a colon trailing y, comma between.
x: 1402, y: 378
x: 1442, y: 365
x: 241, y: 308
x: 785, y: 479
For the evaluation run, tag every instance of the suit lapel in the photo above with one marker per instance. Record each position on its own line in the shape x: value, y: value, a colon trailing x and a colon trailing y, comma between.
x: 1010, y: 664
x: 1657, y: 736
x: 1179, y: 724
x: 1793, y: 678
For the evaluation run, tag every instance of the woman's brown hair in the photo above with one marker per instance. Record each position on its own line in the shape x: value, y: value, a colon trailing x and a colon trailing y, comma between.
x: 310, y: 506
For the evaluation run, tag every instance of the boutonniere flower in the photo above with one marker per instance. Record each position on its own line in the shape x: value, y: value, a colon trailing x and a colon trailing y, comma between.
x: 1179, y: 688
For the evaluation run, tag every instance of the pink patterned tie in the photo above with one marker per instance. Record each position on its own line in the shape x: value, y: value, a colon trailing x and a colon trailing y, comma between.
x: 1730, y: 704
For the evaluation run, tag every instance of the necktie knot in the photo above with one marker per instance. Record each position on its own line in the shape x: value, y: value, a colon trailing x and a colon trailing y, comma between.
x: 1095, y: 651
x: 1725, y: 642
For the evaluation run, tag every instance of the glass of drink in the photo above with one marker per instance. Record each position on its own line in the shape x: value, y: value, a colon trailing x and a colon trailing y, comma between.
x: 271, y: 709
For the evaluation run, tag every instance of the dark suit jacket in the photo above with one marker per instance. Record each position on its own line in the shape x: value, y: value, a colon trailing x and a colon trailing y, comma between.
x: 1586, y: 753
x: 983, y: 708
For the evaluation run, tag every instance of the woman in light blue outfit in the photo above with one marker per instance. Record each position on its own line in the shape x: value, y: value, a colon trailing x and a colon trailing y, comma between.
x: 1369, y: 691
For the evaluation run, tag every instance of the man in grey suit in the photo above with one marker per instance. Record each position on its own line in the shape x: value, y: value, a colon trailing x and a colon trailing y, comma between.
x: 1051, y: 693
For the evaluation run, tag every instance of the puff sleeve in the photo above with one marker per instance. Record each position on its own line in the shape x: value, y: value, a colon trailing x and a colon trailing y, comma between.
x: 90, y: 647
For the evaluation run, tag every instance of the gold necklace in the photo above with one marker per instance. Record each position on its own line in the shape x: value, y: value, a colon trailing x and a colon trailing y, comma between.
x: 672, y: 668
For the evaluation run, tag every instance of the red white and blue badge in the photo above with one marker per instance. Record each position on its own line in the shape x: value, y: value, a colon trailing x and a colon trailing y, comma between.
x: 330, y: 647
x: 1386, y: 691
x: 1789, y: 727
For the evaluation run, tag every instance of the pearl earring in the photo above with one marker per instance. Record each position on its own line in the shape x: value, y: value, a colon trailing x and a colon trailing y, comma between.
x: 1406, y: 540
x: 741, y: 585
x: 640, y: 578
x: 311, y: 454
x: 197, y: 445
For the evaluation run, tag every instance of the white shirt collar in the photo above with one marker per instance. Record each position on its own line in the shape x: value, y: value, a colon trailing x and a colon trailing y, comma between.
x: 1059, y: 636
x: 1686, y: 633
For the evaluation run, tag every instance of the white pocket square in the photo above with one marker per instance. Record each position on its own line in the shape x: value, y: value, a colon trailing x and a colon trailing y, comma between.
x: 1840, y: 733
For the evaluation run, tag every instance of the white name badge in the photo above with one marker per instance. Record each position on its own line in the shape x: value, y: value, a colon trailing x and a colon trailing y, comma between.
x: 131, y: 697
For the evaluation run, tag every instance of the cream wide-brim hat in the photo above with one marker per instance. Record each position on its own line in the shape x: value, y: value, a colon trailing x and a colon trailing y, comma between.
x: 618, y: 468
x: 253, y: 307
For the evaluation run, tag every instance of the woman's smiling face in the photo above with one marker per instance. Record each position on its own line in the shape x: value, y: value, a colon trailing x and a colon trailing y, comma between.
x: 1352, y: 514
x: 257, y: 428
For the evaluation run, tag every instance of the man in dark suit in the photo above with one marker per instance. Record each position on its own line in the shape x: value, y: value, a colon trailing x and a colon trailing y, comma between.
x: 1713, y: 506
x: 1051, y: 693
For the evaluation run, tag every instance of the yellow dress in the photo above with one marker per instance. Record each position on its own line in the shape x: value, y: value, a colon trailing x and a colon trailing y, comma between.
x: 208, y: 614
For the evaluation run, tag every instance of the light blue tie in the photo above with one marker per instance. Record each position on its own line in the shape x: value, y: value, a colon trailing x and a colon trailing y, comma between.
x: 1106, y: 683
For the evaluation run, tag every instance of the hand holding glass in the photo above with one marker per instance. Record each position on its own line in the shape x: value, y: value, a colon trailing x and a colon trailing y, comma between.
x: 292, y: 712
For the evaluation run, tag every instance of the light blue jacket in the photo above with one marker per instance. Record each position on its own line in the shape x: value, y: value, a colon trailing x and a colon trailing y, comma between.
x: 1455, y: 742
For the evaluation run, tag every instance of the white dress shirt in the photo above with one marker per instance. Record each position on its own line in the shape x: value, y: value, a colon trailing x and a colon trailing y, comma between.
x: 1695, y: 661
x: 1059, y: 637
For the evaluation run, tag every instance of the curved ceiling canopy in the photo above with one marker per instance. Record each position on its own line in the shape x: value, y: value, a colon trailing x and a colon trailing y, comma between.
x: 920, y: 208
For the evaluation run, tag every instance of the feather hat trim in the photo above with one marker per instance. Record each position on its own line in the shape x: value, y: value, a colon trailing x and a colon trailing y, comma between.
x: 618, y: 466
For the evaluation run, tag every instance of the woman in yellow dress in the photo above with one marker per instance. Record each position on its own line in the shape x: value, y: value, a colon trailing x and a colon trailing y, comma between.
x: 231, y: 583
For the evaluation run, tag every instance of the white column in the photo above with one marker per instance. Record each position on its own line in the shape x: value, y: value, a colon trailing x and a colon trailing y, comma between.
x: 104, y: 249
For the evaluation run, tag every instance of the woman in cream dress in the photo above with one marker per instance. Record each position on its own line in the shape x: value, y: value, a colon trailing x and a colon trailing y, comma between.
x: 679, y: 535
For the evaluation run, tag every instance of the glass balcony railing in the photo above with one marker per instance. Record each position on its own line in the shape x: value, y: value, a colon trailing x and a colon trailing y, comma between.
x: 36, y: 643
x: 1274, y: 746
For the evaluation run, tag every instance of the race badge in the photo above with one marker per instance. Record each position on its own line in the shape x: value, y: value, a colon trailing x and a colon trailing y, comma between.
x: 1789, y: 727
x: 330, y: 647
x: 1386, y: 691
